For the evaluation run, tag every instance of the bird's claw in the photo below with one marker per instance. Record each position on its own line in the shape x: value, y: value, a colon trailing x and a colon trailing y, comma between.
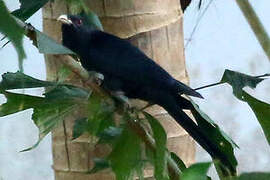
x: 29, y: 26
x: 121, y: 97
x: 97, y: 78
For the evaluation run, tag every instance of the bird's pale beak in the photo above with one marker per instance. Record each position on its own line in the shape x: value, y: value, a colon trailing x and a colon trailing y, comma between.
x: 64, y: 19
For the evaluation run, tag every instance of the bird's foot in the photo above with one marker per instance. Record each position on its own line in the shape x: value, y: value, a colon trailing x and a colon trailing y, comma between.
x: 29, y: 26
x: 95, y: 77
x: 120, y: 95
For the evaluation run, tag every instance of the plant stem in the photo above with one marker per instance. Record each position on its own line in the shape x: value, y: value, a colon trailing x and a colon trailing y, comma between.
x: 255, y: 25
x: 218, y: 83
x: 207, y: 86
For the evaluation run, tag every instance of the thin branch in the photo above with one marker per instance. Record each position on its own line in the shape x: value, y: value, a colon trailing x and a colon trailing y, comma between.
x: 197, y: 24
x: 262, y: 76
x: 207, y: 86
x: 255, y: 25
x: 218, y: 83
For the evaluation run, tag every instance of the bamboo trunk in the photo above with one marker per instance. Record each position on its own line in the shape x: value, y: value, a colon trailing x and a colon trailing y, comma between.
x: 156, y: 27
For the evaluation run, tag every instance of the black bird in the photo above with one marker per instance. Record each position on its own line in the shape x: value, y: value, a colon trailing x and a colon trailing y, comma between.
x: 127, y: 69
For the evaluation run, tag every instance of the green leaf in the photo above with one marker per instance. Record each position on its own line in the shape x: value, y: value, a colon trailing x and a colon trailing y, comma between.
x: 10, y: 28
x: 49, y: 115
x: 67, y: 92
x: 239, y: 80
x: 75, y: 6
x: 196, y: 171
x: 80, y: 127
x: 224, y: 143
x: 63, y: 74
x: 100, y: 115
x: 253, y: 176
x: 110, y: 134
x: 204, y: 117
x: 19, y: 80
x: 160, y: 160
x: 50, y: 110
x: 262, y: 112
x: 28, y: 8
x: 100, y: 164
x: 47, y: 45
x: 91, y: 19
x: 180, y: 164
x: 18, y: 102
x: 126, y: 155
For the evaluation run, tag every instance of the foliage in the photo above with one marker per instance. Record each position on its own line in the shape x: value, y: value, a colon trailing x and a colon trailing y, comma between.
x: 13, y: 31
x: 28, y: 8
x: 196, y: 171
x: 131, y: 149
x: 261, y: 109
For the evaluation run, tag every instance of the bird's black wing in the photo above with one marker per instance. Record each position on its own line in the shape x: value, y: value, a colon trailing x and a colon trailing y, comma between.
x: 114, y: 56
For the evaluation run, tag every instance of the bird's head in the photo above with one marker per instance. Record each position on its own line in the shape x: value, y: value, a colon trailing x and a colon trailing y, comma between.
x: 73, y: 29
x: 74, y: 21
x: 77, y: 28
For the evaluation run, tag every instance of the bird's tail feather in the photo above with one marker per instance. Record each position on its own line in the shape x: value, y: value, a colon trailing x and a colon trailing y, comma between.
x: 184, y: 89
x: 192, y: 129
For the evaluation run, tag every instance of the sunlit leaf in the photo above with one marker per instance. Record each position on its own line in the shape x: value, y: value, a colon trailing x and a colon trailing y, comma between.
x: 160, y: 160
x: 262, y: 112
x: 196, y: 171
x: 10, y: 28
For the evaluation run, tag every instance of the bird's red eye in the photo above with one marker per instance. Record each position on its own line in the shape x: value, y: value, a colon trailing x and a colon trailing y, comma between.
x: 79, y: 22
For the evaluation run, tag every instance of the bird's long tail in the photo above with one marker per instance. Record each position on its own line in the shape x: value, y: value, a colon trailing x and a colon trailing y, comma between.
x: 174, y: 107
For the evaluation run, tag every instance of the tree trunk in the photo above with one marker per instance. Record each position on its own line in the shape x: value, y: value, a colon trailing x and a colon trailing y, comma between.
x: 155, y: 26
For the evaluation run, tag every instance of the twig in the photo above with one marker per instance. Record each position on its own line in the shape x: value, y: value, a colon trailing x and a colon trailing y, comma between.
x: 255, y: 25
x: 218, y: 83
x: 197, y: 24
x: 207, y: 86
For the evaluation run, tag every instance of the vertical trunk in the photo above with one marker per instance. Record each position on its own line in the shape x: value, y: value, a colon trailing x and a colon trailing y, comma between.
x: 155, y: 26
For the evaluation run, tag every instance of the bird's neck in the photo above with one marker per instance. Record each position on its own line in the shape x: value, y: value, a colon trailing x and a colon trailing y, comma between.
x: 74, y: 39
